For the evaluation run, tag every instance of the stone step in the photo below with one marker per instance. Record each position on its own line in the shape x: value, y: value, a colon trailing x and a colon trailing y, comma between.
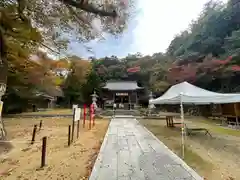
x: 120, y: 112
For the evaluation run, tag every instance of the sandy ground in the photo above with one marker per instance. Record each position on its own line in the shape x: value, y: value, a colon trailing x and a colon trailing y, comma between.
x: 215, y: 158
x: 20, y: 160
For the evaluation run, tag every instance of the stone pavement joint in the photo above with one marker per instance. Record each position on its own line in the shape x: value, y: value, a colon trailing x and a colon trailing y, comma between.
x: 131, y: 152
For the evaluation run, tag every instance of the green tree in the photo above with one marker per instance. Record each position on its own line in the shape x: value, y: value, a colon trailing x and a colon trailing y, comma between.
x: 27, y: 25
x: 76, y: 80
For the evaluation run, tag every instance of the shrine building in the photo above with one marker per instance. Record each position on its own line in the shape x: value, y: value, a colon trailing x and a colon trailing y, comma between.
x: 125, y: 93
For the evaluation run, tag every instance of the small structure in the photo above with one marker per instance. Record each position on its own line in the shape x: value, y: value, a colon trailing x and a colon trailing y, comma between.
x: 230, y: 111
x: 94, y: 99
x: 46, y: 98
x: 186, y: 93
x: 150, y: 105
x: 122, y: 92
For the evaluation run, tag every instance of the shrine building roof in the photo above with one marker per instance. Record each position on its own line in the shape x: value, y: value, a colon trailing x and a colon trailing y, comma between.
x: 121, y: 85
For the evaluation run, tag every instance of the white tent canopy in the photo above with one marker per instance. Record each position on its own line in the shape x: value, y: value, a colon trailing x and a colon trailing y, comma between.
x: 186, y: 93
x: 190, y: 94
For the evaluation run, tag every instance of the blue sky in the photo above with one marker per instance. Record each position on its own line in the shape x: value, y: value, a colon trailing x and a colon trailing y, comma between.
x: 151, y: 30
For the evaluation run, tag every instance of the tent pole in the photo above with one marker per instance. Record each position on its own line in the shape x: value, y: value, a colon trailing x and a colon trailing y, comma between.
x: 183, y: 125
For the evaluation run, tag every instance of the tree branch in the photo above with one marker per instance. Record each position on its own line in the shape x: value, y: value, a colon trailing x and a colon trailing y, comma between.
x: 49, y: 48
x: 81, y: 4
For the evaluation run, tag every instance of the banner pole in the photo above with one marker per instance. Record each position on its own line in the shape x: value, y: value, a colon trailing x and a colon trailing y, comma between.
x: 84, y: 114
x: 90, y: 117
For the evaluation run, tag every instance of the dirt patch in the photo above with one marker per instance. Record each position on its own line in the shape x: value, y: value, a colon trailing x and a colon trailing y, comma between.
x: 63, y: 162
x: 215, y: 158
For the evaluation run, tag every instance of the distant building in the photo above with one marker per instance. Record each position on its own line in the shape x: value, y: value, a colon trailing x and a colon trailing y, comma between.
x: 47, y: 98
x: 122, y: 92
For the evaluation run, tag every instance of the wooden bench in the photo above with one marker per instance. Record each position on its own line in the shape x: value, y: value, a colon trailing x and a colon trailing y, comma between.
x: 170, y: 122
x: 191, y: 131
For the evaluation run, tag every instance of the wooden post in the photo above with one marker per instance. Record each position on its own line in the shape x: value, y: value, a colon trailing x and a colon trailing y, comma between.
x: 168, y: 122
x: 171, y: 120
x: 78, y: 128
x: 44, y: 147
x: 236, y: 113
x: 69, y: 135
x: 40, y: 125
x: 34, y: 134
x: 73, y: 124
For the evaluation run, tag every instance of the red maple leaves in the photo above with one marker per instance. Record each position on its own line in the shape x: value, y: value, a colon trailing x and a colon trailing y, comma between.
x: 134, y: 69
x: 189, y: 71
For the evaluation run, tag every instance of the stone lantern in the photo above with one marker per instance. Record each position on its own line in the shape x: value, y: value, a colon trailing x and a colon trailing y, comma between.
x: 94, y: 99
x: 150, y: 106
x: 2, y: 90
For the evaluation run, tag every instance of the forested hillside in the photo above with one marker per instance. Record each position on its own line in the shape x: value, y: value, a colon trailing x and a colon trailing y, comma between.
x: 211, y: 47
x: 206, y: 54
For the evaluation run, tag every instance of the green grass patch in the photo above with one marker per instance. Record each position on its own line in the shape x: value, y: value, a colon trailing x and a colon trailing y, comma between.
x: 213, y: 127
x: 226, y: 131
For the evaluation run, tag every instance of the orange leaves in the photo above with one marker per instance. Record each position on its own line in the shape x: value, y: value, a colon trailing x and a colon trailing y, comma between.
x: 80, y: 69
x: 61, y: 64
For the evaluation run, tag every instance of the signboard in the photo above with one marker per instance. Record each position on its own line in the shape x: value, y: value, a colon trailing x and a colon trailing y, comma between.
x: 77, y: 114
x: 74, y: 106
x: 121, y: 94
x: 109, y: 101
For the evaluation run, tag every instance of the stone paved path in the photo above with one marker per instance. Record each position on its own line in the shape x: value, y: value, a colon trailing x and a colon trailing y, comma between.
x: 130, y: 152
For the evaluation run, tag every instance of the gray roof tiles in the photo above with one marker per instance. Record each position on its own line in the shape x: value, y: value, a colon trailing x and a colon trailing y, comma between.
x: 122, y: 85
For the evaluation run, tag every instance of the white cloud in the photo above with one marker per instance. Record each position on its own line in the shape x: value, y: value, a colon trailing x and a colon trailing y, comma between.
x: 161, y: 21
